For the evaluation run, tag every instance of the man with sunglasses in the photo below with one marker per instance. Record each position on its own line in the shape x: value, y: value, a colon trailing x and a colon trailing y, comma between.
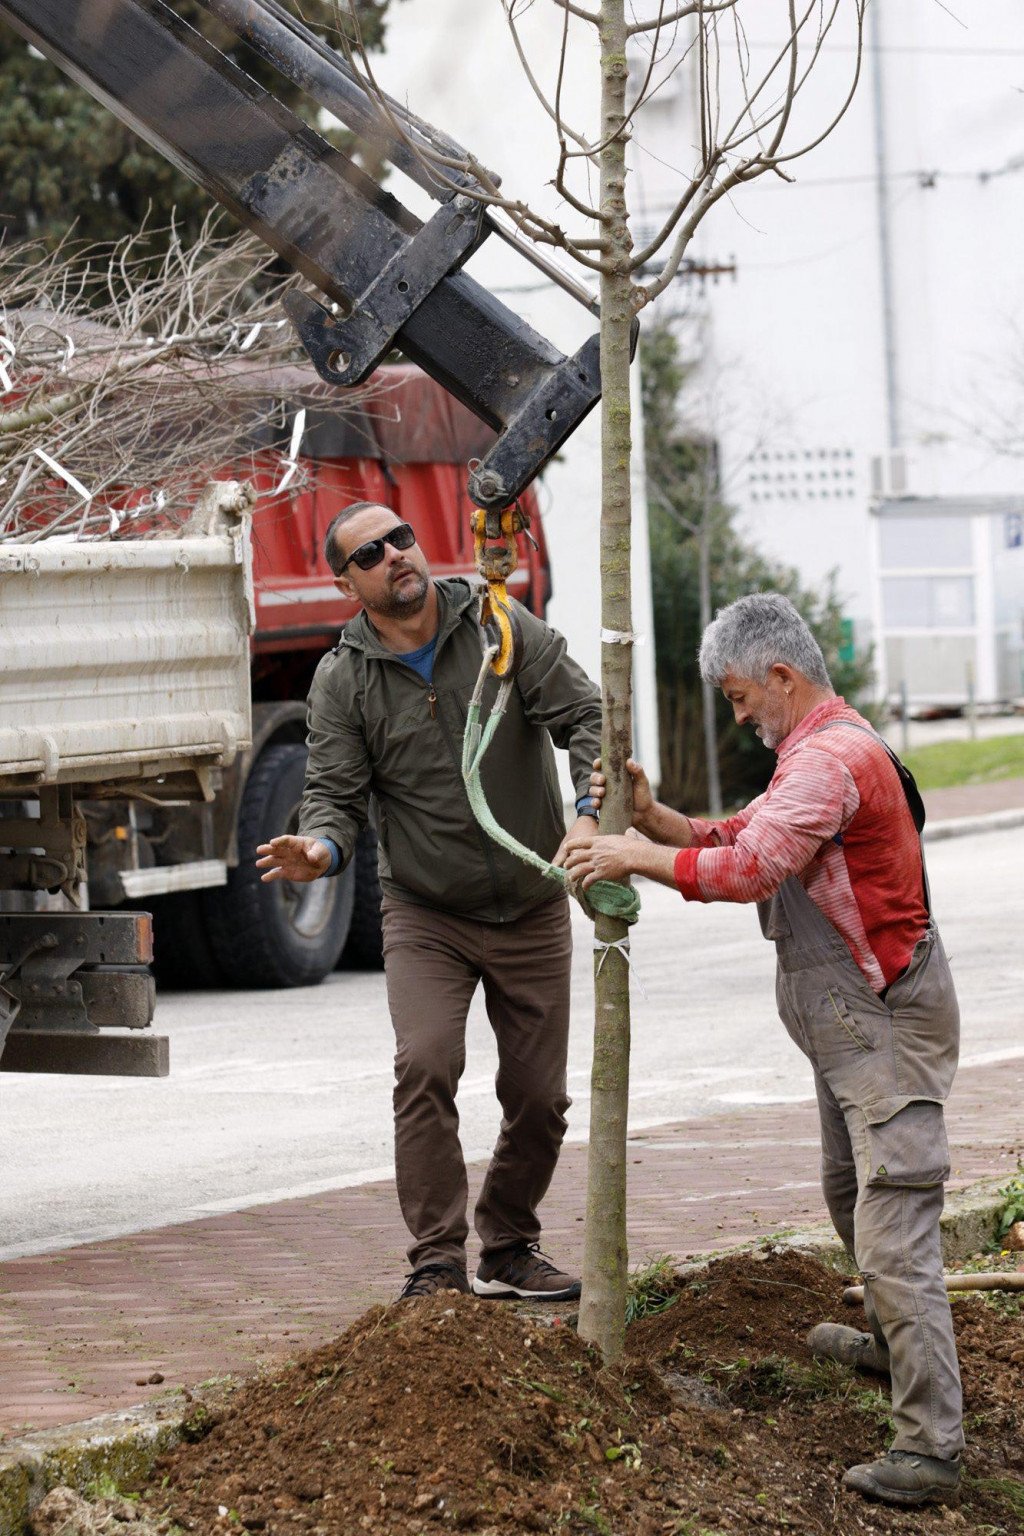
x: 387, y: 711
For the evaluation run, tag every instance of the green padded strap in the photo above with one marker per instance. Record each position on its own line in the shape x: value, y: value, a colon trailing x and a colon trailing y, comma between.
x: 605, y: 896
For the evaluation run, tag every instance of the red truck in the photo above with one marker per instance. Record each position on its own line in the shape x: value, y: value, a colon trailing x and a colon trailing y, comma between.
x: 408, y: 447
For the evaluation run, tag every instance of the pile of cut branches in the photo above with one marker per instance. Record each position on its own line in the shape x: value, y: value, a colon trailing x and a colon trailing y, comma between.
x: 125, y: 388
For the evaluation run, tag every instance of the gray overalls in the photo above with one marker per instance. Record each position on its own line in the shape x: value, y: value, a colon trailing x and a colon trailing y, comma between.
x: 882, y: 1070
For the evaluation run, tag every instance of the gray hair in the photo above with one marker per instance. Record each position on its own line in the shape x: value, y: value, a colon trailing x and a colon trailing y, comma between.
x: 753, y: 634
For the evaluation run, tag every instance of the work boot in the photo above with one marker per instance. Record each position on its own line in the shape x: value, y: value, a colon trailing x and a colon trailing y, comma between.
x: 834, y: 1341
x: 903, y: 1477
x: 428, y: 1279
x: 523, y: 1271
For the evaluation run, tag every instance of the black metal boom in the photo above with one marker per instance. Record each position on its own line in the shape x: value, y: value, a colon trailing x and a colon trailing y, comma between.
x: 391, y: 280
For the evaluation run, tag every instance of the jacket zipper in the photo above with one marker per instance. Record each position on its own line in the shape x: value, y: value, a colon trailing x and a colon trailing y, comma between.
x: 485, y: 844
x: 432, y: 701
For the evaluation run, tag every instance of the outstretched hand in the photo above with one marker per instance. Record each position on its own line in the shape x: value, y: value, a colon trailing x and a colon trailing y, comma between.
x: 293, y: 858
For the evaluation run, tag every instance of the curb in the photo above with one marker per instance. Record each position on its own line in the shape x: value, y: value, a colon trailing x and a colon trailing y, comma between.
x: 120, y: 1446
x: 962, y: 826
x: 126, y: 1444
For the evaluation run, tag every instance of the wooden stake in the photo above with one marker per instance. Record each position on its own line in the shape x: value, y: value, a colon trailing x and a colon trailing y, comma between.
x: 1012, y: 1280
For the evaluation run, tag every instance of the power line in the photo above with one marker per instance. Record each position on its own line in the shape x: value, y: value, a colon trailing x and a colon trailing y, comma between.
x: 925, y: 48
x: 924, y: 177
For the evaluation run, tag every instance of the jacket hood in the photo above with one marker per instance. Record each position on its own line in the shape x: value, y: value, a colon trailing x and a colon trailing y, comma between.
x: 454, y: 596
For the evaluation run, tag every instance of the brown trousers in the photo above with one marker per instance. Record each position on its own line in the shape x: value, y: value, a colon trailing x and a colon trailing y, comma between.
x: 433, y: 963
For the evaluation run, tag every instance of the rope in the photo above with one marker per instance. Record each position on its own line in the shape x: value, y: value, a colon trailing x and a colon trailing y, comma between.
x: 604, y: 896
x: 622, y: 945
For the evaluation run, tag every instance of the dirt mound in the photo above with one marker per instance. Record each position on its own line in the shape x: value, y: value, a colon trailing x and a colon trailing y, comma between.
x: 442, y: 1410
x: 764, y: 1301
x: 453, y: 1414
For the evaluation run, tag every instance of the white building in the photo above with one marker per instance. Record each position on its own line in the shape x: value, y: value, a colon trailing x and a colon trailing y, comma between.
x: 871, y: 343
x: 950, y: 596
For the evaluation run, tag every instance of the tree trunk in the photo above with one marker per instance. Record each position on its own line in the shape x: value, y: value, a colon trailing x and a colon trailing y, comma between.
x: 603, y: 1304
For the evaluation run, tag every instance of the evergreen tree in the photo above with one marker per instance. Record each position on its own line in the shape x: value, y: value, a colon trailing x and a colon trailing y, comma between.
x: 66, y: 160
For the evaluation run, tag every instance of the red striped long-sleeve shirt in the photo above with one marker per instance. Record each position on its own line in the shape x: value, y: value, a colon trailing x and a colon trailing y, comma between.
x: 836, y: 816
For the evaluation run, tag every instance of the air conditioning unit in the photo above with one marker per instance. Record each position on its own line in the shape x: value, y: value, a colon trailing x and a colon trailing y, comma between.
x: 889, y: 477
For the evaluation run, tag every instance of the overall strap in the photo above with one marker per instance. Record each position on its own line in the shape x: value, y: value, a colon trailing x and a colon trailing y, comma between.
x: 908, y: 784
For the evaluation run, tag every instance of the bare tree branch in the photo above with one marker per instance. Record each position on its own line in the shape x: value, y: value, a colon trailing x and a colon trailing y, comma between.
x: 705, y: 190
x: 732, y: 142
x: 553, y: 110
x: 723, y: 163
x: 481, y: 187
x: 696, y: 8
x: 578, y: 10
x: 677, y: 64
x: 126, y: 382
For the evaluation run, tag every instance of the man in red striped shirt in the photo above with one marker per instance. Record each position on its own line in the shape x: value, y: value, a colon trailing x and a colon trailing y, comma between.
x: 831, y: 853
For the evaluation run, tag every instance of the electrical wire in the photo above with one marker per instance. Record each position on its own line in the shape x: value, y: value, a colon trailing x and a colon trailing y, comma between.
x: 925, y: 177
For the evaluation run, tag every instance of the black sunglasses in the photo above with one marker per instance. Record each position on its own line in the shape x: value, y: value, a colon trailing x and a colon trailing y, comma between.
x: 372, y: 552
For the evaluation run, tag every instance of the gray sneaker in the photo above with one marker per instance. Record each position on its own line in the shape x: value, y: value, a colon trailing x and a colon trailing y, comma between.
x: 523, y: 1271
x: 834, y: 1341
x: 903, y: 1477
x: 431, y: 1278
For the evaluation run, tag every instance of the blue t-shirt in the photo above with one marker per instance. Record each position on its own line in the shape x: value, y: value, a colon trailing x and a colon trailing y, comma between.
x: 421, y: 661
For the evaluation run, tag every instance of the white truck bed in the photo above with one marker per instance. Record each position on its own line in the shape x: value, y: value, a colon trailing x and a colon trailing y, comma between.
x: 123, y: 660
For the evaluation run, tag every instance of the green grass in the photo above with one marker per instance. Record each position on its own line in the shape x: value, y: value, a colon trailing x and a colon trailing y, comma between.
x: 777, y: 1378
x: 591, y: 1514
x: 1009, y: 1490
x: 651, y: 1288
x: 1013, y: 1210
x: 947, y: 763
x: 103, y: 1486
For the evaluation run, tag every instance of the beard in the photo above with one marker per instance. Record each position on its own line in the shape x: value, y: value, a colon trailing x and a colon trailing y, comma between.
x: 402, y: 602
x: 771, y: 731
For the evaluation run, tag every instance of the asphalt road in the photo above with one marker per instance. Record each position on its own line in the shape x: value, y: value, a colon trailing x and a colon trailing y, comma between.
x: 278, y: 1094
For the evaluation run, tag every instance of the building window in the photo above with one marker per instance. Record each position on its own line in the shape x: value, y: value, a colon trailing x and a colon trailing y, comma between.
x: 799, y: 473
x: 928, y: 602
x: 909, y: 542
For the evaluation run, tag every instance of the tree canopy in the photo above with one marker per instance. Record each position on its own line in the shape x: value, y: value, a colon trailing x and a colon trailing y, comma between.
x: 66, y: 161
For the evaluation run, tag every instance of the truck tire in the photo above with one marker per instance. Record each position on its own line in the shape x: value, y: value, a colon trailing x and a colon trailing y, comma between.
x: 283, y: 934
x: 183, y: 958
x: 365, y: 948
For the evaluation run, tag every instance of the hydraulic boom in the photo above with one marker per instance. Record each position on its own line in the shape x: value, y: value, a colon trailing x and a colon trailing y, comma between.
x: 388, y: 279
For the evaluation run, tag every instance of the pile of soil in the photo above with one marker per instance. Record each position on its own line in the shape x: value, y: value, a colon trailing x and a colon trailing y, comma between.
x: 448, y: 1413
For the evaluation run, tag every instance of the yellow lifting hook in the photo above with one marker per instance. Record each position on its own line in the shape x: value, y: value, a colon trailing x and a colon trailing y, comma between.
x: 494, y: 547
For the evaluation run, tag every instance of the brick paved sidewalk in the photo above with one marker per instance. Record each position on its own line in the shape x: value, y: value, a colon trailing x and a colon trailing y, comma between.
x: 82, y: 1330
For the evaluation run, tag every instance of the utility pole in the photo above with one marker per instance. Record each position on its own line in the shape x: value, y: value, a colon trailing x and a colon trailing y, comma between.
x: 889, y: 337
x: 706, y: 688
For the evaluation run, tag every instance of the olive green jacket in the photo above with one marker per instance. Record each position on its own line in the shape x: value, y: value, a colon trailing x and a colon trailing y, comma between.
x: 376, y: 728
